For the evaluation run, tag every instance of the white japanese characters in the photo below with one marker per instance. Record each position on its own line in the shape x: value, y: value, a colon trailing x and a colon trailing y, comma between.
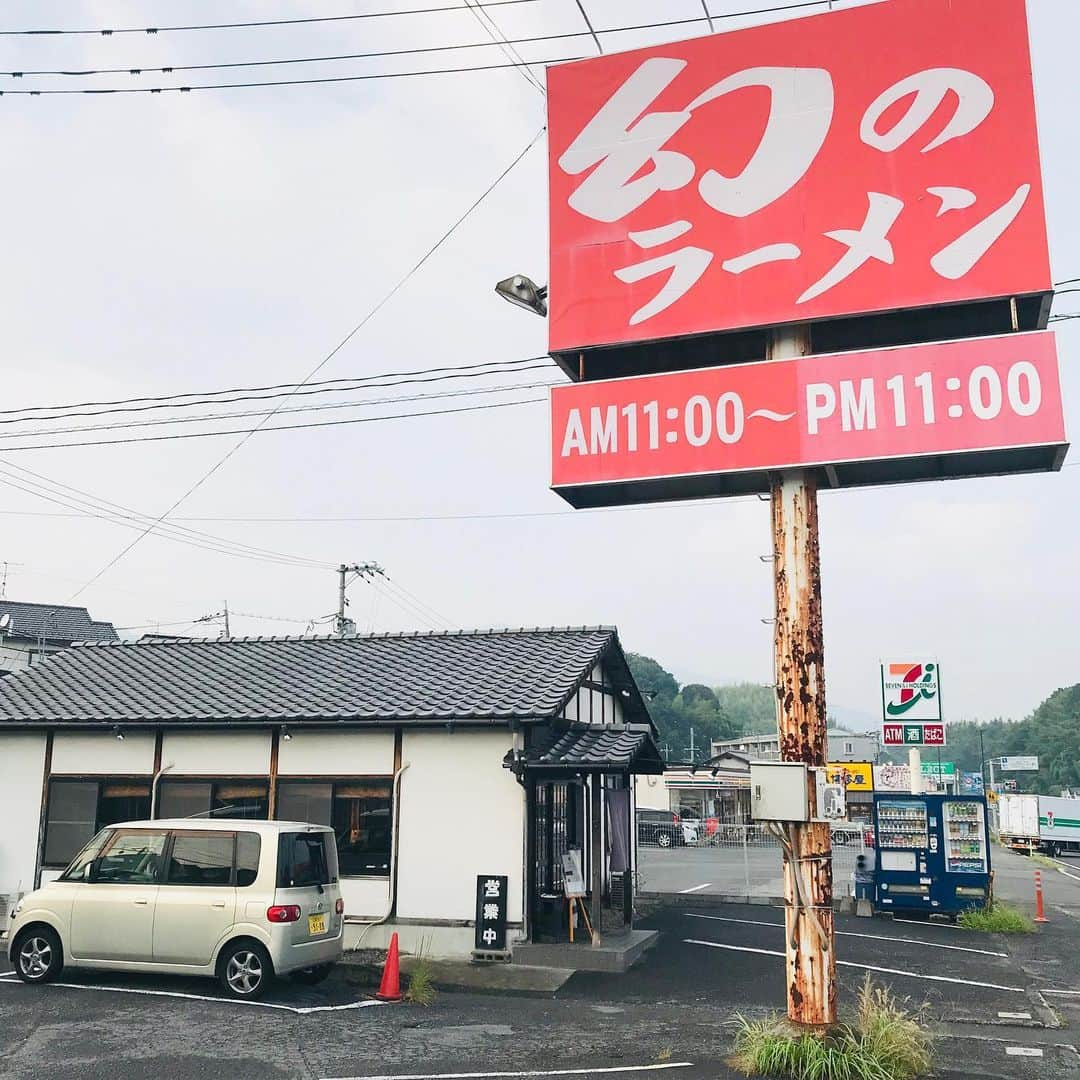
x: 623, y: 154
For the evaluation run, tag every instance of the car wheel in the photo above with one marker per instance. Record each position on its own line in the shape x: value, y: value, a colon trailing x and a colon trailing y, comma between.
x: 663, y: 839
x: 312, y: 976
x: 38, y: 955
x: 245, y: 970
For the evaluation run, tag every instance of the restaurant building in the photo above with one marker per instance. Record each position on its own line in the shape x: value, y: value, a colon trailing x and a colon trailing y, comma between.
x: 437, y: 758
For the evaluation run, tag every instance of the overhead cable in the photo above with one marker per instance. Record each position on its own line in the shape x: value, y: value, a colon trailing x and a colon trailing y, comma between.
x: 49, y: 92
x: 206, y: 418
x: 252, y: 25
x: 291, y: 390
x: 248, y: 432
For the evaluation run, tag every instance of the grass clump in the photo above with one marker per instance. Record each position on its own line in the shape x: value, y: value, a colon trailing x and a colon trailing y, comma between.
x: 421, y: 984
x: 885, y: 1043
x: 996, y: 918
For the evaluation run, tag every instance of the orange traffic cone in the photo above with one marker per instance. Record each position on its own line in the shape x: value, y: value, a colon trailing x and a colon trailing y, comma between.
x: 390, y: 987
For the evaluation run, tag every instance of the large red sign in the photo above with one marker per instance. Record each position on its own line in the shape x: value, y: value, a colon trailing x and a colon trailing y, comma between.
x: 882, y: 157
x: 935, y: 402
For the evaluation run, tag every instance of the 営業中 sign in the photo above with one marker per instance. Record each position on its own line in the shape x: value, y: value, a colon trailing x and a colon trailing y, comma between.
x: 491, y: 890
x: 883, y: 157
x: 919, y: 411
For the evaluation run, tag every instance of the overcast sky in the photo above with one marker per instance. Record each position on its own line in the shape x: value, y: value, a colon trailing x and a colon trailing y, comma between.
x: 155, y: 244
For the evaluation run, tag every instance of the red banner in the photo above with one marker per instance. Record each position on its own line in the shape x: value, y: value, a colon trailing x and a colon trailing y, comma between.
x: 943, y: 399
x: 883, y: 157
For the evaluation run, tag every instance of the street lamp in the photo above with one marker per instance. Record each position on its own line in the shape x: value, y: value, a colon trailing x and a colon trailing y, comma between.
x: 525, y: 293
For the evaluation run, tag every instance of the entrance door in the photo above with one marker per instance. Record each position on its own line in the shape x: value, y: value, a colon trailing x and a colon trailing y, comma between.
x: 558, y: 820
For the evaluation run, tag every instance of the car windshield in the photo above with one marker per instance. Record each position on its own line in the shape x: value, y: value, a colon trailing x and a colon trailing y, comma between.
x: 77, y: 870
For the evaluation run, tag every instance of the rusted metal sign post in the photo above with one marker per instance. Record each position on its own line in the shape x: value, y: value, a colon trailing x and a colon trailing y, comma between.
x: 800, y: 690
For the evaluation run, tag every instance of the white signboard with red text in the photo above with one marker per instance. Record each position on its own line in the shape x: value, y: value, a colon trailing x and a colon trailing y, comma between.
x: 911, y: 703
x: 919, y: 409
x: 877, y: 158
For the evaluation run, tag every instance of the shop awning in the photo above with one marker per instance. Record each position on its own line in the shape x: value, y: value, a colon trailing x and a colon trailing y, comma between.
x: 589, y: 748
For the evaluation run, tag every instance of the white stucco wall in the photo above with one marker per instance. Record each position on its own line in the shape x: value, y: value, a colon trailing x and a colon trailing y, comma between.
x: 22, y: 765
x: 337, y: 753
x: 201, y: 753
x: 591, y: 706
x: 462, y: 814
x: 102, y: 754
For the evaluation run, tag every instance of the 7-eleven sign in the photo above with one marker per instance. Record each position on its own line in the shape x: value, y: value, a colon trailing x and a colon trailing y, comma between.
x: 911, y: 692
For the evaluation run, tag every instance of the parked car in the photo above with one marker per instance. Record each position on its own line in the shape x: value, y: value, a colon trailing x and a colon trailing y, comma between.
x: 662, y: 828
x: 242, y: 901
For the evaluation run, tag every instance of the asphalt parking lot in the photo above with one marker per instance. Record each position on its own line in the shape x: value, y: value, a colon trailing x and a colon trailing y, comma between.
x: 994, y: 997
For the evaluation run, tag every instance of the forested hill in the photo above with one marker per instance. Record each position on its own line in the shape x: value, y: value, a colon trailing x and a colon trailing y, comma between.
x: 720, y: 712
x: 1051, y: 732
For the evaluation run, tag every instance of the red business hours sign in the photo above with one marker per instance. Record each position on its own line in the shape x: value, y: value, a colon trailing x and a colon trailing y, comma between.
x: 953, y: 398
x: 878, y: 158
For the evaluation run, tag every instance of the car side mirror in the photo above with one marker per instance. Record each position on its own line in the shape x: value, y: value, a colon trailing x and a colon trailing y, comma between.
x: 90, y: 872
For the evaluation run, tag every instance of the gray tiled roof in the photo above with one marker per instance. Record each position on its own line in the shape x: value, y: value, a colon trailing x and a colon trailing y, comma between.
x: 53, y: 622
x: 493, y: 676
x: 585, y: 748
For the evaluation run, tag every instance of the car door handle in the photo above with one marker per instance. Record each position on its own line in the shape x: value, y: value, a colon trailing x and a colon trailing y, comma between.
x: 142, y: 901
x: 218, y: 903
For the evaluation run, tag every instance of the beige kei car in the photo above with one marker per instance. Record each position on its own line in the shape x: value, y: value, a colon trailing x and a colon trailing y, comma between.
x: 239, y: 900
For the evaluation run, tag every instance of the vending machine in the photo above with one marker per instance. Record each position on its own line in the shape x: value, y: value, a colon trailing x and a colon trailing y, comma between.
x: 932, y: 852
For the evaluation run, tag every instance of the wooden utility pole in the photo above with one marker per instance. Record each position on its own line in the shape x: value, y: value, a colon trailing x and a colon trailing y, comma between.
x: 810, y: 956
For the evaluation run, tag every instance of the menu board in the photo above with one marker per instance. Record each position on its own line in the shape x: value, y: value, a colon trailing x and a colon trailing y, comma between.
x: 965, y: 838
x: 902, y: 824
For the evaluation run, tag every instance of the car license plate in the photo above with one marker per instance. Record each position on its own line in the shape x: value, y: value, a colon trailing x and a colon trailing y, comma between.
x: 316, y: 924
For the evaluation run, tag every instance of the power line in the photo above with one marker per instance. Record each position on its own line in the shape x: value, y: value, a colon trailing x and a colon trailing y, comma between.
x: 277, y: 82
x: 248, y: 432
x: 294, y: 390
x: 505, y: 47
x: 584, y: 15
x: 279, y: 386
x: 369, y: 403
x: 708, y: 17
x: 107, y: 32
x: 108, y: 510
x: 497, y: 39
x: 325, y: 360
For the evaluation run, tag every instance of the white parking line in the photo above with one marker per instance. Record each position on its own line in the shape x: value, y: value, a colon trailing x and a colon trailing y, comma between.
x: 528, y: 1072
x: 927, y: 922
x: 696, y: 888
x: 852, y: 933
x: 1023, y: 1051
x: 1063, y: 993
x: 864, y: 967
x: 1014, y: 1016
x: 9, y: 980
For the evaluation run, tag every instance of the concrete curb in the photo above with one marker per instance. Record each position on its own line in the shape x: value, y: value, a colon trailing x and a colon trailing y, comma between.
x: 515, y: 980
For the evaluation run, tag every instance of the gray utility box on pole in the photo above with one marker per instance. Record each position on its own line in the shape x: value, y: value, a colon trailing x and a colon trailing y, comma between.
x: 778, y: 791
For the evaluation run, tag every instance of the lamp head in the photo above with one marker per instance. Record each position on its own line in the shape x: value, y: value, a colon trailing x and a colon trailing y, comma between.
x: 524, y: 292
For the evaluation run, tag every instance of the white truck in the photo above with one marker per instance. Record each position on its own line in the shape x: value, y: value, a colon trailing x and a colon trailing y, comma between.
x: 1039, y: 823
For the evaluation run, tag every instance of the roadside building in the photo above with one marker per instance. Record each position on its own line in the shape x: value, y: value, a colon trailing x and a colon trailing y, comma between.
x: 717, y: 790
x: 31, y: 632
x: 843, y: 746
x: 437, y: 758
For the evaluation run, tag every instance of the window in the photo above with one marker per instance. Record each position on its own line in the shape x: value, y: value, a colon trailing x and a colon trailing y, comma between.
x: 77, y: 870
x: 201, y: 858
x: 78, y: 809
x: 214, y: 798
x: 306, y: 859
x: 131, y: 858
x: 248, y: 849
x: 849, y: 748
x: 359, y: 812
